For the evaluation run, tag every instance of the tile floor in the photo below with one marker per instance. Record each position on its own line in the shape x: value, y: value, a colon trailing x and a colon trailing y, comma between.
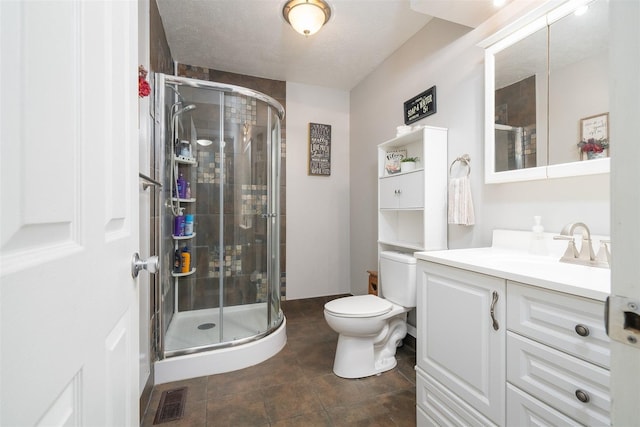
x: 297, y: 386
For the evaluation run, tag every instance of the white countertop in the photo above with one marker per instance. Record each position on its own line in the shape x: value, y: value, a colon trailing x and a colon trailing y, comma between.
x: 509, y: 258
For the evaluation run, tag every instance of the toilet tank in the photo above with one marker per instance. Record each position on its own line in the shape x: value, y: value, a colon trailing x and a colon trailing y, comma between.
x: 398, y: 278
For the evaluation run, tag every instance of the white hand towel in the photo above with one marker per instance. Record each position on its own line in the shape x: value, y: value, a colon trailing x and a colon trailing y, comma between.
x: 460, y: 207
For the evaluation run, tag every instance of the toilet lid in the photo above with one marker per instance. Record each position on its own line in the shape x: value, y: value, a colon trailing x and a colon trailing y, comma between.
x: 358, y: 306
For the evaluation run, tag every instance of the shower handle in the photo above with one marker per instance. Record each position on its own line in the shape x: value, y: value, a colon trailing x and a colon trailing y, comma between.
x: 269, y: 215
x: 150, y: 264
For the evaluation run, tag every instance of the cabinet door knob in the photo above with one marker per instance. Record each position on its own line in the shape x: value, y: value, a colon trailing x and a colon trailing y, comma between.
x: 582, y: 330
x: 582, y: 396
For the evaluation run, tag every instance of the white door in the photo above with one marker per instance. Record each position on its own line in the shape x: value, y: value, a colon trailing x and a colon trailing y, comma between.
x: 625, y: 203
x: 69, y: 225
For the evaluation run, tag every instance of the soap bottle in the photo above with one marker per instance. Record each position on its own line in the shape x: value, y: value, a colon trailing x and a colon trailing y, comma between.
x: 185, y: 258
x: 537, y: 246
x: 187, y: 193
x: 179, y: 224
x: 182, y: 186
x: 177, y: 262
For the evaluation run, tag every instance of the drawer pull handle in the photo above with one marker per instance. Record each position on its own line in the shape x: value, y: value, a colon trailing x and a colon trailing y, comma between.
x: 494, y: 300
x: 582, y: 330
x: 582, y: 396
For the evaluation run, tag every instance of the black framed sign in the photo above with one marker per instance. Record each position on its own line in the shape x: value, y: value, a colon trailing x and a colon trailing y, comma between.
x: 319, y: 149
x: 420, y: 106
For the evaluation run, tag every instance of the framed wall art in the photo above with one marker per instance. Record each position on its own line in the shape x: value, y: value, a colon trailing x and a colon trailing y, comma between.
x: 319, y: 149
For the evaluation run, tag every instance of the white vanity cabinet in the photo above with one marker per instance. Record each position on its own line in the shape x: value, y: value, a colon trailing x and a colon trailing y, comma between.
x: 412, y: 206
x: 461, y: 347
x: 545, y: 363
x: 557, y: 357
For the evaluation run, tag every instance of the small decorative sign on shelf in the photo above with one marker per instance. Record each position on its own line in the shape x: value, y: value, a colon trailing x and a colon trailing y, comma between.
x: 392, y: 161
x: 420, y: 106
x: 319, y: 149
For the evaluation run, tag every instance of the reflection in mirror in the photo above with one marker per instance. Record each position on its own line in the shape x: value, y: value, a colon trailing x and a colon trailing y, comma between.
x: 520, y: 103
x: 578, y: 83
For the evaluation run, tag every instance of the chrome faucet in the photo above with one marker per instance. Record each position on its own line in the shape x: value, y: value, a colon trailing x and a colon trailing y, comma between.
x: 586, y: 255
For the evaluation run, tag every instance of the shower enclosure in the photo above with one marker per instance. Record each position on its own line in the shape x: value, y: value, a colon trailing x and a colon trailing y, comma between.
x: 218, y: 159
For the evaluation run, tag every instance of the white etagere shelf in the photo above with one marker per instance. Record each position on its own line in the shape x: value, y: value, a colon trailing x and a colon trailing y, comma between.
x: 412, y: 206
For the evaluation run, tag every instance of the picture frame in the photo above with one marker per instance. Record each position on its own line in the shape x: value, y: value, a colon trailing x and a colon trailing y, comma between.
x: 420, y: 106
x: 319, y: 150
x: 596, y: 127
x: 594, y: 130
x: 392, y: 161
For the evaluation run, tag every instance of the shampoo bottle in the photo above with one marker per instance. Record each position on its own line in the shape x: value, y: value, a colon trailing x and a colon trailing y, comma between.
x: 179, y: 224
x: 185, y: 258
x: 188, y: 224
x: 177, y: 262
x: 537, y: 246
x: 182, y: 186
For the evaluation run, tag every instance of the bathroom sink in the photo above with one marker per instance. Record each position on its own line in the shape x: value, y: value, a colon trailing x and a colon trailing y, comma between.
x: 515, y: 263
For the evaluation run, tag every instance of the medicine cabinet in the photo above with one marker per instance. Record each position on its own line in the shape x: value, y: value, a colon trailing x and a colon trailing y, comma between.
x: 546, y: 90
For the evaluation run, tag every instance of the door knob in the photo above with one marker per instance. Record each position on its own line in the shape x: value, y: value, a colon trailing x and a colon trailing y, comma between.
x: 150, y: 264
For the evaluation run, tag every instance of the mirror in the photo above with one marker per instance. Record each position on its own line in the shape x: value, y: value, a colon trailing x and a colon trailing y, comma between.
x: 546, y: 86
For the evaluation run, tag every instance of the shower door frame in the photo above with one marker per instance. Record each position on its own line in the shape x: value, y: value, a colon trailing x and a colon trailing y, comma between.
x: 162, y: 81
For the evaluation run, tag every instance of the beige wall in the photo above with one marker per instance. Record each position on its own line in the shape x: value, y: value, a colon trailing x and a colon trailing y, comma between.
x: 317, y: 206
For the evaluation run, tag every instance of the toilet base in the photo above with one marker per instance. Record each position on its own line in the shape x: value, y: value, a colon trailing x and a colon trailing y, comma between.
x: 359, y: 357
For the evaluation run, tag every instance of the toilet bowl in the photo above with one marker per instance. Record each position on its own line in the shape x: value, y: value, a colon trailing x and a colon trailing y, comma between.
x: 370, y: 328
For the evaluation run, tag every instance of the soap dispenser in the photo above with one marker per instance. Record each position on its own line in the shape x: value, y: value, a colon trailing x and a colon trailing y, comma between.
x: 538, y: 246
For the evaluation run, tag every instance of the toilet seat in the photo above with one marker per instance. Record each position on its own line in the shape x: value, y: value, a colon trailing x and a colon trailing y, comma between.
x: 358, y: 306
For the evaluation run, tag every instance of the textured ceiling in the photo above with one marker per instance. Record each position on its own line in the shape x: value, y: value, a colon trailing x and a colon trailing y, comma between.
x: 251, y: 37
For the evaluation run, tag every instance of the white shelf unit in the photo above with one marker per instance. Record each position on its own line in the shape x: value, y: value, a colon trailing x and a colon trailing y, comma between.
x: 412, y: 206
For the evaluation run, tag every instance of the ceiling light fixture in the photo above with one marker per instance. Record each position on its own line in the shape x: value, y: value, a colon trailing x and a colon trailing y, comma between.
x: 306, y: 16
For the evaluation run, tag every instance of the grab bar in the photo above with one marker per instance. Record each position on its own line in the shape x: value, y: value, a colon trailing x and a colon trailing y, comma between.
x: 148, y: 182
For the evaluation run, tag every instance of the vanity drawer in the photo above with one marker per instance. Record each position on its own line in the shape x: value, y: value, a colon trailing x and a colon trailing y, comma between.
x: 526, y: 411
x: 558, y: 319
x: 559, y: 380
x: 441, y: 407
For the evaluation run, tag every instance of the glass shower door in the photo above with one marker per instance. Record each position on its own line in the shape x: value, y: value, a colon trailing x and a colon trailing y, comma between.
x: 233, y: 296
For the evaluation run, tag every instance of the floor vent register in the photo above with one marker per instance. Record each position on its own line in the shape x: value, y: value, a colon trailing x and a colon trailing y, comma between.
x: 171, y: 406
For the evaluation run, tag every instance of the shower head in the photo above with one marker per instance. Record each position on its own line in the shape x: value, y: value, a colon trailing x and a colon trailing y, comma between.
x: 184, y: 110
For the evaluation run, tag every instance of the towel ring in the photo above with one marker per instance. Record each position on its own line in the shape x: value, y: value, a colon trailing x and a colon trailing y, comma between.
x: 465, y: 159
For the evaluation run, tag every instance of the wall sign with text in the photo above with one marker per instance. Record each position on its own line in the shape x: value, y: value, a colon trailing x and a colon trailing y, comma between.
x: 420, y: 106
x: 319, y: 149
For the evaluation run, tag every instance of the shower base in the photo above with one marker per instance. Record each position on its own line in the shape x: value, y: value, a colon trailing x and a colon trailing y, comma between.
x: 194, y: 328
x: 240, y: 322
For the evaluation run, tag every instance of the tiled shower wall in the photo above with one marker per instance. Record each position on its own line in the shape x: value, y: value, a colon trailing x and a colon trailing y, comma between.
x: 248, y: 288
x: 516, y: 106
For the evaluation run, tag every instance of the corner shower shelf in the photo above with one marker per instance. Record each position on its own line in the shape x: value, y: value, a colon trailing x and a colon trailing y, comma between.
x: 185, y: 160
x: 193, y: 270
x: 175, y: 199
x: 190, y: 236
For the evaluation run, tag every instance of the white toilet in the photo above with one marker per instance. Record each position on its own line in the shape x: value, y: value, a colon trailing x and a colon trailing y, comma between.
x: 370, y: 327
